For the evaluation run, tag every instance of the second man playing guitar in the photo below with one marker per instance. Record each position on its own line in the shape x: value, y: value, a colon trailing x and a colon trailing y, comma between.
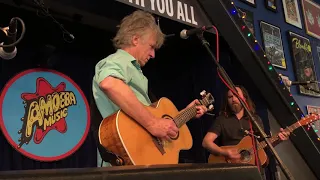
x: 232, y: 124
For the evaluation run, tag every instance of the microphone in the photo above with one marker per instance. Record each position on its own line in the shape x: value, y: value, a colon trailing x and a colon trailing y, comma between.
x: 290, y: 83
x: 11, y: 35
x: 249, y: 133
x: 184, y: 34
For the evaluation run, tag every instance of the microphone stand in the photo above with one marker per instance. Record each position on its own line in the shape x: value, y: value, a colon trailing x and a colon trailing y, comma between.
x: 253, y: 120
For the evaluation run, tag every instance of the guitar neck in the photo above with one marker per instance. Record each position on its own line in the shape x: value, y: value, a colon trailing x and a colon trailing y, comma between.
x: 276, y: 138
x: 184, y: 116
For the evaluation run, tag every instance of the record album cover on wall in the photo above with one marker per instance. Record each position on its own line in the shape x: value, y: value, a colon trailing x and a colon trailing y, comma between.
x: 292, y: 13
x: 304, y: 67
x: 272, y: 41
x: 311, y: 17
x: 271, y: 5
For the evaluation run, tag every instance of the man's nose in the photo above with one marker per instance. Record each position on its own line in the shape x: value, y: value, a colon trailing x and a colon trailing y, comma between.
x: 152, y: 54
x: 234, y: 99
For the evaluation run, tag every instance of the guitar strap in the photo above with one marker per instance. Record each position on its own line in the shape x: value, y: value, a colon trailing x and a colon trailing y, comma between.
x: 96, y: 118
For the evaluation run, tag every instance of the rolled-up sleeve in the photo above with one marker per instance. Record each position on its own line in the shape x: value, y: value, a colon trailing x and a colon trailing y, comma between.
x: 112, y: 68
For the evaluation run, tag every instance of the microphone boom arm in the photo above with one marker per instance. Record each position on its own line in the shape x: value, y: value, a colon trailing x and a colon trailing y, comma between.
x: 310, y: 89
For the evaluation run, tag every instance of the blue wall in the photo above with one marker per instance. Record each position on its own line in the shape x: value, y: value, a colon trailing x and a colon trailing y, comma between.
x: 278, y: 19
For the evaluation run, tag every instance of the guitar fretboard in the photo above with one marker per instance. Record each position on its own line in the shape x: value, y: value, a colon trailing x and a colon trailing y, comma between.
x: 275, y: 138
x: 185, y: 116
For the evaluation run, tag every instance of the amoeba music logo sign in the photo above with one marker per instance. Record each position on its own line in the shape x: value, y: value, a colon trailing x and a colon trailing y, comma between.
x: 44, y: 114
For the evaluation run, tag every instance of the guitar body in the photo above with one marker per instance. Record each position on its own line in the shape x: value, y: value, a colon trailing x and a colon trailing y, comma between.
x: 244, y: 147
x: 126, y: 138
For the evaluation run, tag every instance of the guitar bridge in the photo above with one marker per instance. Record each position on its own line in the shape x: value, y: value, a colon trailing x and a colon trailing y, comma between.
x: 158, y: 144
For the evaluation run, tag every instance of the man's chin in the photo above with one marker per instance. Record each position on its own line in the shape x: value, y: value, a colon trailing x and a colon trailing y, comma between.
x: 144, y: 63
x: 236, y: 108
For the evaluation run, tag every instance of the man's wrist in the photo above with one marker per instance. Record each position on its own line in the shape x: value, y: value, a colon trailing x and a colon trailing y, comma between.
x: 222, y: 152
x: 150, y: 123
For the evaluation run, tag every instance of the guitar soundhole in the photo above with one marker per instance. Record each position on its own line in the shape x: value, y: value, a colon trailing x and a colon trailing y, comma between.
x: 245, y: 155
x: 166, y: 116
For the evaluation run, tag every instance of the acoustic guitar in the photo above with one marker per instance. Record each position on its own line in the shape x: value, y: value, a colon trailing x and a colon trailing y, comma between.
x: 124, y: 137
x: 245, y: 149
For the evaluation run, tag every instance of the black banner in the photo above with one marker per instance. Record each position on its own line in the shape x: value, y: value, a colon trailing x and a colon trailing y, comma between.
x: 184, y: 11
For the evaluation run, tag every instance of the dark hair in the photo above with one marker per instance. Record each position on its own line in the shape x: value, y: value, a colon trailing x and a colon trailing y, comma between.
x: 225, y: 108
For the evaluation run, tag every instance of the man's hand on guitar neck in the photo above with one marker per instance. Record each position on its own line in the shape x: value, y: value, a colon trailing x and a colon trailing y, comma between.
x: 283, y: 135
x: 201, y: 109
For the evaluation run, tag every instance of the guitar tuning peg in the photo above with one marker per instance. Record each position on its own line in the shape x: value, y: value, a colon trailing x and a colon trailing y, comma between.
x: 203, y: 93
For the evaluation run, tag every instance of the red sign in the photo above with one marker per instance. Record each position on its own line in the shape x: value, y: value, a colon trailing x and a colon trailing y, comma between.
x: 311, y: 12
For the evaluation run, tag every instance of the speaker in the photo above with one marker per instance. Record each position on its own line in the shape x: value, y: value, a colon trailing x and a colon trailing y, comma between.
x: 154, y: 172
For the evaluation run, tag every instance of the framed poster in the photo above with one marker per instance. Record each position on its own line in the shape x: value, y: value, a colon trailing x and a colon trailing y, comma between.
x: 249, y: 20
x: 271, y: 5
x: 291, y: 12
x: 303, y: 63
x: 272, y: 42
x: 316, y: 124
x: 311, y: 17
x: 250, y: 2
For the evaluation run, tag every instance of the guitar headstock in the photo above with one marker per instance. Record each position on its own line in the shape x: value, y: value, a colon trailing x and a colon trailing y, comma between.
x: 207, y: 100
x: 309, y: 119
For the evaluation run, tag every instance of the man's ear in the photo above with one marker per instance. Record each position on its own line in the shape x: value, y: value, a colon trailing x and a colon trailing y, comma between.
x: 135, y: 40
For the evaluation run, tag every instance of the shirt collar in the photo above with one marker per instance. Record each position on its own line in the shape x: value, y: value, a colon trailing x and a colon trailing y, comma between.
x: 129, y: 57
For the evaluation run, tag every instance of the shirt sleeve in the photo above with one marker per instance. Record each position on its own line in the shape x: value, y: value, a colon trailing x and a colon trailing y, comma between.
x: 216, y: 126
x: 112, y: 68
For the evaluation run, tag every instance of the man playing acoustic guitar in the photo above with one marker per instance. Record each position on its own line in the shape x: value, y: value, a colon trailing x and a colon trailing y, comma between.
x: 233, y: 124
x: 119, y: 82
